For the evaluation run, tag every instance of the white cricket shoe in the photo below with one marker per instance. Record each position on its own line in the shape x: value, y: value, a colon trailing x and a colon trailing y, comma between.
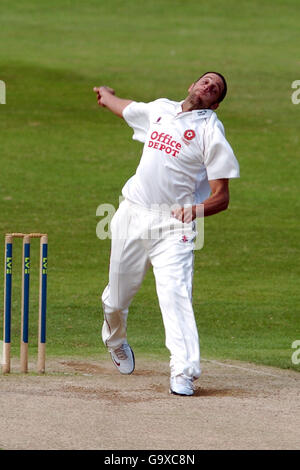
x: 181, y: 385
x: 123, y: 358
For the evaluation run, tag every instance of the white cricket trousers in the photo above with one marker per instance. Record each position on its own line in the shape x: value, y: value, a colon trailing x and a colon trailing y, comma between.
x: 141, y: 237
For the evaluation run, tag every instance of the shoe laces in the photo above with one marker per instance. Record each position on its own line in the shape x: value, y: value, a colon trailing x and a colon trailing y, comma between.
x: 121, y: 353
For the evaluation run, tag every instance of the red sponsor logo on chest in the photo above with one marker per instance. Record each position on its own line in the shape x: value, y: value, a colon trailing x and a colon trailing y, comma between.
x: 164, y: 143
x: 188, y: 136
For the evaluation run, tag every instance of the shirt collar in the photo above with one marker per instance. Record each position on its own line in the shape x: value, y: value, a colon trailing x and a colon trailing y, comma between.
x: 178, y: 107
x: 195, y: 114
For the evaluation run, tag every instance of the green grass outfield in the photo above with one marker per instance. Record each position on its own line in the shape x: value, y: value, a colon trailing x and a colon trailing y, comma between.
x: 61, y: 157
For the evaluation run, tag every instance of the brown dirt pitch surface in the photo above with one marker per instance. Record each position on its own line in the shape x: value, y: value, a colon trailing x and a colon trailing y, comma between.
x: 89, y: 405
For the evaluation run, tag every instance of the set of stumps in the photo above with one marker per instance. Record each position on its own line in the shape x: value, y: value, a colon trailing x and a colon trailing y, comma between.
x: 8, y: 270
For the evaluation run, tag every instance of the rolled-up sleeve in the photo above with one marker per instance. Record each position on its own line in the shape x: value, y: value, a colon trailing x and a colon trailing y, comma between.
x: 137, y: 116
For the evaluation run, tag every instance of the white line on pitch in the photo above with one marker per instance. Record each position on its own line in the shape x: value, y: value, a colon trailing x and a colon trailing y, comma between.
x: 242, y: 368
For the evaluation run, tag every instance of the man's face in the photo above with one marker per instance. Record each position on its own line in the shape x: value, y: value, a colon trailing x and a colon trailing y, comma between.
x: 205, y: 92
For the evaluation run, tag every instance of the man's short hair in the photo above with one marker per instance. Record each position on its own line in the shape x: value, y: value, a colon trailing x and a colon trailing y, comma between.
x: 223, y: 94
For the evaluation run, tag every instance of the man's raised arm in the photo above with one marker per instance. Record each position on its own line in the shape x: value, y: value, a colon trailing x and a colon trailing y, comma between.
x: 107, y: 99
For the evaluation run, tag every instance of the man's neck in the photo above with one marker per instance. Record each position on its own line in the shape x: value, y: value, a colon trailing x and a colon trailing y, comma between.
x: 187, y: 105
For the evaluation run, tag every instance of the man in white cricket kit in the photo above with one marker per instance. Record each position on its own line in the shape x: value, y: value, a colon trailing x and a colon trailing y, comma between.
x: 184, y: 170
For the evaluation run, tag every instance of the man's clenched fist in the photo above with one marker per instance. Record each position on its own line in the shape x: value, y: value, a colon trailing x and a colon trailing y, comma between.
x: 102, y: 91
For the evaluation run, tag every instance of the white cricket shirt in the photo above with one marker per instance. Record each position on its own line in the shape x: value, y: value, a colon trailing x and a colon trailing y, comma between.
x: 182, y: 152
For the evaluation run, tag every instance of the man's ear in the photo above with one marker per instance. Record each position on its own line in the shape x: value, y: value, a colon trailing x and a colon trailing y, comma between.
x: 214, y: 106
x: 191, y: 86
